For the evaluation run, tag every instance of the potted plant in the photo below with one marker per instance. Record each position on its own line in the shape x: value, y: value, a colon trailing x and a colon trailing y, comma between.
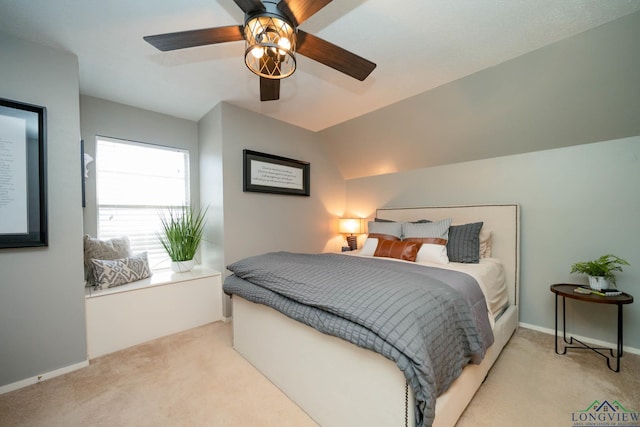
x: 600, y: 271
x: 182, y: 231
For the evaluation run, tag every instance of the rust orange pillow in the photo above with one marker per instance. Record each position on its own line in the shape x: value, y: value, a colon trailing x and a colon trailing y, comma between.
x: 406, y: 251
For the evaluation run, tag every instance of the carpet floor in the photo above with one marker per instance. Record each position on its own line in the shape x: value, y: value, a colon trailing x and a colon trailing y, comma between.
x: 195, y: 378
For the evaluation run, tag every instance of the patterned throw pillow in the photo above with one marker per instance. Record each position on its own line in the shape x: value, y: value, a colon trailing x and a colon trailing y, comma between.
x: 117, y: 248
x: 116, y: 272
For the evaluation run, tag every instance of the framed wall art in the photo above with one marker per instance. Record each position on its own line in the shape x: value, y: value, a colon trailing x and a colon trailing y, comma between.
x: 266, y: 173
x: 23, y: 177
x: 83, y: 172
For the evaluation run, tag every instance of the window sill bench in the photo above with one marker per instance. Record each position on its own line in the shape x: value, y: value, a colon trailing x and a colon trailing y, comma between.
x: 163, y: 304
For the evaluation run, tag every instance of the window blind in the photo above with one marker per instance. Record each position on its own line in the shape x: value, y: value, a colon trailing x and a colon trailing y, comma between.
x: 135, y: 184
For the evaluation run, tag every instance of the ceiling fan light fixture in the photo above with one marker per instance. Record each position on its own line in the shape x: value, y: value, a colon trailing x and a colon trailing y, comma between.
x: 270, y: 44
x: 272, y: 40
x: 257, y: 52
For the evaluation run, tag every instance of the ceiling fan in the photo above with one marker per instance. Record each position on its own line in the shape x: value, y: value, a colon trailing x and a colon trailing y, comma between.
x: 272, y: 39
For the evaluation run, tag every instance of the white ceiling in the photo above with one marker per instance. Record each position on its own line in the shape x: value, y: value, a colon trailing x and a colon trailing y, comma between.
x: 417, y: 44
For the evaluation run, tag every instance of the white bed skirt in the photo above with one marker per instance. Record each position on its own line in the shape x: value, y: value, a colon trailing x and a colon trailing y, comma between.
x: 339, y: 384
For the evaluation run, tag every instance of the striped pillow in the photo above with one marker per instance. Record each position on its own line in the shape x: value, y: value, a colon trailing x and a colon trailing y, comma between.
x: 433, y: 235
x: 385, y: 230
x: 379, y: 231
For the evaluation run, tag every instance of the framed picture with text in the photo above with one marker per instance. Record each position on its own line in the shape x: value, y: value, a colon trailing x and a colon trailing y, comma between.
x: 23, y: 177
x: 266, y: 173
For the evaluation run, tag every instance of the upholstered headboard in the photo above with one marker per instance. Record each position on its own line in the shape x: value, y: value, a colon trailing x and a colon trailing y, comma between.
x: 502, y: 220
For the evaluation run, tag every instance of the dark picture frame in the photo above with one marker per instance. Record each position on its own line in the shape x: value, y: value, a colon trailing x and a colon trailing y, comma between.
x: 23, y: 175
x: 82, y: 174
x: 267, y: 173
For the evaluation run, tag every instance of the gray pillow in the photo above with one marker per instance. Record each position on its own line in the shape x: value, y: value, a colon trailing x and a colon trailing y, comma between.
x: 385, y: 230
x: 390, y: 220
x: 117, y: 248
x: 464, y: 243
x: 116, y: 272
x: 438, y: 229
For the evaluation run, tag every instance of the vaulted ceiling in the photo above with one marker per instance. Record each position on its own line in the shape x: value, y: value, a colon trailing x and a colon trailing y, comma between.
x: 417, y: 45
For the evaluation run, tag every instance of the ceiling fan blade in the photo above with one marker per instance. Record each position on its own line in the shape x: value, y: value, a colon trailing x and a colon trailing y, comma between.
x: 269, y: 89
x: 333, y: 56
x: 301, y: 10
x: 192, y: 38
x: 249, y: 6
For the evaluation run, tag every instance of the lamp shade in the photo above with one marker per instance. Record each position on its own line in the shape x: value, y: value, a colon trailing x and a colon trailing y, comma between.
x: 350, y: 225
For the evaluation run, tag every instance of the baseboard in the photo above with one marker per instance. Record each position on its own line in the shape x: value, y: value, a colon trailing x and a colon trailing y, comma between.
x: 67, y: 369
x: 626, y: 349
x: 42, y: 377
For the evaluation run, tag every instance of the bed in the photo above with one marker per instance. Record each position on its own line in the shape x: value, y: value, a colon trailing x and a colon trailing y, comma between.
x: 340, y: 384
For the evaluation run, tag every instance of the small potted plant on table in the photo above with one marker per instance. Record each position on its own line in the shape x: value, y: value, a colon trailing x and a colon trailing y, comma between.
x: 600, y: 271
x: 182, y: 231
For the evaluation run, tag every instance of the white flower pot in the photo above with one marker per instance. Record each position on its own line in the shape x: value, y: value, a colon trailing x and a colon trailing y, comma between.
x: 598, y: 283
x: 182, y: 266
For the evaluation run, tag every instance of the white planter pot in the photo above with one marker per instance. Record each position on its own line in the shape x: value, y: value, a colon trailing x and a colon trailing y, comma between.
x: 182, y: 266
x: 598, y: 283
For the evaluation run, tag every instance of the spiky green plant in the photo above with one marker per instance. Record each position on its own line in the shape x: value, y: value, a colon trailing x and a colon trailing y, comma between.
x: 182, y: 231
x: 604, y: 266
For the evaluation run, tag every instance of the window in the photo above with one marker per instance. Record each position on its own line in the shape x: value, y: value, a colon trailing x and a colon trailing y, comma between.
x: 135, y: 182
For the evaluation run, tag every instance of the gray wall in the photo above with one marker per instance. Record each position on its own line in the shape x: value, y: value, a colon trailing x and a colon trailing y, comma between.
x: 580, y: 90
x: 254, y: 223
x: 577, y: 203
x: 42, y: 325
x: 104, y: 118
x: 212, y: 188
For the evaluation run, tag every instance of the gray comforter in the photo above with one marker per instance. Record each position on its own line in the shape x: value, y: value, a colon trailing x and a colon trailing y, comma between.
x: 430, y: 321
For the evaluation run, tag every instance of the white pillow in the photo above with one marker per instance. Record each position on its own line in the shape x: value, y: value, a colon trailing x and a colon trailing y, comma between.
x: 369, y: 247
x: 430, y: 252
x: 485, y: 242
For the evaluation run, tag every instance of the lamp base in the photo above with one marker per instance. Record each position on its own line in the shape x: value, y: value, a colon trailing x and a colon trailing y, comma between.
x: 352, y: 241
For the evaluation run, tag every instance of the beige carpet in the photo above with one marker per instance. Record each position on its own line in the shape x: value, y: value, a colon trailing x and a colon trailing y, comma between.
x: 195, y: 378
x: 530, y: 385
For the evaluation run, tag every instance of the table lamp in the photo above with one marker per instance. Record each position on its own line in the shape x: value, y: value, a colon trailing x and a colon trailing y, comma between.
x: 350, y: 226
